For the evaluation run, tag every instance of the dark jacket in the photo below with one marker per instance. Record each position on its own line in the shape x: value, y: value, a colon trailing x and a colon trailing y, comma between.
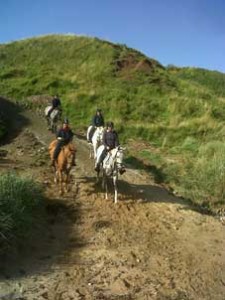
x: 65, y: 134
x: 110, y: 139
x: 98, y: 121
x: 56, y: 102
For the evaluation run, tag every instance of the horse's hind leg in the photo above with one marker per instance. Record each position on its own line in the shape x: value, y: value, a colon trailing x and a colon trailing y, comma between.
x: 56, y: 178
x: 67, y: 181
x: 54, y: 127
x: 105, y: 186
x: 61, y: 183
x: 115, y: 178
x: 91, y: 152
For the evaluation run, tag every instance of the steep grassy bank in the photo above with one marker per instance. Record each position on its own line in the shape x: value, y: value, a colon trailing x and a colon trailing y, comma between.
x: 178, y: 112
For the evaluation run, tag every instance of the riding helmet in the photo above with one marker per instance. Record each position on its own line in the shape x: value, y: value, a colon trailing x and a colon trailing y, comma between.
x: 110, y: 124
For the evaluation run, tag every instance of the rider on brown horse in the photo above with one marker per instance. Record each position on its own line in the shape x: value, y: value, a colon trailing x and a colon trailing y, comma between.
x: 64, y: 136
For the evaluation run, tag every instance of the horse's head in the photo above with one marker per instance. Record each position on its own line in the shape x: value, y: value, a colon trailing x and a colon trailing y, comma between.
x: 119, y: 155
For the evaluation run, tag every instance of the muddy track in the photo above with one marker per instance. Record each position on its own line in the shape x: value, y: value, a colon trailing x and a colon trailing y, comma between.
x: 151, y: 245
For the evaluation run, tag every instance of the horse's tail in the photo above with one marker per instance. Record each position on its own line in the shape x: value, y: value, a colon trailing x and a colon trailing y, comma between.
x: 47, y: 109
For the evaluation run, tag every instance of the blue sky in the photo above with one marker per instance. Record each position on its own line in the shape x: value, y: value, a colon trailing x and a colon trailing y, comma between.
x: 179, y: 32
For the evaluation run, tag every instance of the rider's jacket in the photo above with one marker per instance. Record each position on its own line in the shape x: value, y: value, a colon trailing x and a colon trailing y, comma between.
x: 56, y: 102
x: 110, y: 139
x: 98, y: 121
x: 65, y: 134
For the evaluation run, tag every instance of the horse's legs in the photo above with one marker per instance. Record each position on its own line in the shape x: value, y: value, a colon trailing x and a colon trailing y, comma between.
x: 67, y: 180
x: 55, y: 177
x: 98, y: 176
x: 54, y: 126
x: 95, y: 150
x: 61, y: 182
x: 105, y: 185
x: 106, y: 189
x: 91, y: 151
x: 115, y: 178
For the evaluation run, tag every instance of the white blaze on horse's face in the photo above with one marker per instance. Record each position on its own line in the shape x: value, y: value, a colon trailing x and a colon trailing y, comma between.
x: 119, y: 156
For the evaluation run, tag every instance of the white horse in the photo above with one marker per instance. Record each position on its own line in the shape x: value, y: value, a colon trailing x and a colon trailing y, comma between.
x: 96, y: 141
x: 53, y: 119
x: 110, y: 169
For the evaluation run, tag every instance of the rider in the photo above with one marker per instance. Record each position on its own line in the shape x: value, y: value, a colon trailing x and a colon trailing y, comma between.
x: 110, y: 141
x: 64, y: 136
x: 56, y: 103
x: 97, y: 121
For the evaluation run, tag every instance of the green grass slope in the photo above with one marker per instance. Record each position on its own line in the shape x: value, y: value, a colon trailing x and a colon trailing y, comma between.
x: 179, y: 112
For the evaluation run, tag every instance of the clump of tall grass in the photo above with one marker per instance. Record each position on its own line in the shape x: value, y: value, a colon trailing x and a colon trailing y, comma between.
x: 204, y: 181
x: 21, y: 199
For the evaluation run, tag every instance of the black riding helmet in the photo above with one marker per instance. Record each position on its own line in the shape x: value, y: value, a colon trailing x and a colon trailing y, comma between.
x: 98, y: 110
x: 110, y: 124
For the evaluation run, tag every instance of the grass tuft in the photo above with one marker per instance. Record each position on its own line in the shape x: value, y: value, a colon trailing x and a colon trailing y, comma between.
x: 21, y: 199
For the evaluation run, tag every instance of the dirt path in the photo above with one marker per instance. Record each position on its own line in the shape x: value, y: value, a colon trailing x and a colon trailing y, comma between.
x: 150, y: 245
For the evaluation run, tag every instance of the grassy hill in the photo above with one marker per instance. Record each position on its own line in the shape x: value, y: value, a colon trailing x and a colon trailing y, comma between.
x: 170, y: 118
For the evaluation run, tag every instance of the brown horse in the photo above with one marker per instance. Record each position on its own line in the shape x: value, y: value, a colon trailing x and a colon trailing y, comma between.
x: 63, y: 164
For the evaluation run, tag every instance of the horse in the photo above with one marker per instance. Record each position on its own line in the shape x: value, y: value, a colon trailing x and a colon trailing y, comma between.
x: 63, y: 164
x: 54, y: 117
x: 110, y: 168
x: 96, y: 141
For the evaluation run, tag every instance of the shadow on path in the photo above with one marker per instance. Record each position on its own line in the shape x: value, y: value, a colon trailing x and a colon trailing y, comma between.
x: 11, y: 114
x: 144, y: 193
x: 53, y: 238
x: 137, y: 164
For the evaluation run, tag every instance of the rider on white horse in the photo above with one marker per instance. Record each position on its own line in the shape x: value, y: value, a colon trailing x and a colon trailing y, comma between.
x: 97, y: 121
x: 56, y: 103
x: 110, y: 141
